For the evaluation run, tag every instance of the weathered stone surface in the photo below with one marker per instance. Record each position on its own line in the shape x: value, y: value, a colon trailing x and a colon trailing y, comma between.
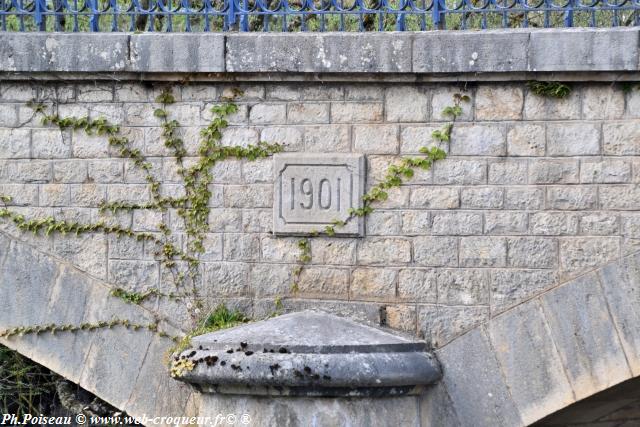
x: 463, y: 287
x: 583, y: 330
x: 435, y: 251
x: 434, y: 198
x: 578, y: 48
x: 482, y: 198
x: 568, y: 139
x: 511, y: 172
x: 532, y: 252
x: 483, y: 252
x: 620, y: 286
x: 499, y: 102
x: 511, y: 287
x: 417, y: 285
x: 381, y: 250
x: 203, y: 52
x: 480, y: 397
x: 406, y: 104
x: 373, y: 282
x: 505, y: 223
x: 441, y: 52
x: 441, y: 324
x: 553, y: 223
x: 572, y: 198
x: 620, y: 139
x: 478, y: 139
x: 457, y: 223
x: 380, y: 53
x: 582, y: 253
x: 530, y: 363
x: 42, y: 52
x: 451, y: 171
x: 314, y: 190
x: 607, y: 171
x: 526, y: 140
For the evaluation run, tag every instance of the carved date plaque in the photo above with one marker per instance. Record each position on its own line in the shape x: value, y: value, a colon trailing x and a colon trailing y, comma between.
x: 313, y: 190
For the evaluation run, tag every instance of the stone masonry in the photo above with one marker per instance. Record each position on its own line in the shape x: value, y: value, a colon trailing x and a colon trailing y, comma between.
x: 534, y: 192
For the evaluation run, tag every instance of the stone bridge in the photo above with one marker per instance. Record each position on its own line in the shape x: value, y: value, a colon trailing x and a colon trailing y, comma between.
x: 515, y: 258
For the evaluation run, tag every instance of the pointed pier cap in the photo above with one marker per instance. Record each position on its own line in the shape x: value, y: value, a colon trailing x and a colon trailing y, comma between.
x: 309, y: 353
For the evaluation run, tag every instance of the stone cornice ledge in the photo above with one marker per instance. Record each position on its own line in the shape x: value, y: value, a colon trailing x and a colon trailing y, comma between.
x: 427, y: 53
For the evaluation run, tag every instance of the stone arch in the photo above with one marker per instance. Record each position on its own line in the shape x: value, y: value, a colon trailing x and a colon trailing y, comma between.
x: 569, y: 343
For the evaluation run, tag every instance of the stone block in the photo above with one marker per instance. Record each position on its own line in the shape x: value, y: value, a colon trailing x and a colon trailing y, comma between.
x: 521, y: 338
x: 231, y: 279
x: 106, y: 171
x: 373, y: 283
x: 383, y: 223
x: 622, y: 197
x: 308, y: 113
x: 190, y: 52
x: 582, y: 329
x: 526, y: 140
x: 553, y: 223
x: 406, y: 104
x: 356, y: 112
x: 50, y: 144
x: 376, y: 139
x: 434, y: 197
x: 248, y: 196
x: 225, y: 220
x: 572, y: 197
x: 554, y: 171
x: 482, y: 198
x: 268, y: 114
x: 416, y: 222
x: 435, y: 251
x: 327, y: 92
x: 579, y: 254
x: 333, y: 251
x: 463, y: 286
x: 323, y: 282
x: 478, y: 140
x: 510, y: 287
x: 479, y: 396
x: 314, y: 190
x: 328, y: 138
x: 620, y: 138
x: 506, y: 223
x: 280, y: 249
x: 532, y: 252
x: 573, y: 139
x: 48, y: 52
x: 457, y: 223
x: 607, y: 171
x: 441, y: 324
x: 87, y: 252
x: 417, y: 284
x: 543, y: 108
x: 15, y: 143
x: 499, y: 102
x: 483, y: 252
x: 413, y: 138
x: 464, y: 51
x: 619, y: 283
x: 134, y: 275
x: 382, y: 250
x: 601, y: 224
x: 289, y: 137
x: 242, y: 247
x: 579, y: 48
x: 509, y: 172
x: 320, y: 52
x: 444, y: 97
x: 602, y: 102
x: 54, y: 195
x: 466, y: 172
x: 70, y: 171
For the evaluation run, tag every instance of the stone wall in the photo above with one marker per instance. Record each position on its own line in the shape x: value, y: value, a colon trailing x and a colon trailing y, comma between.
x: 534, y: 191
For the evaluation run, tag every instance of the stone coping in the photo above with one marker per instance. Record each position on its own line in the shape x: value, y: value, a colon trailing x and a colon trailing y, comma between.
x: 437, y: 53
x: 309, y: 353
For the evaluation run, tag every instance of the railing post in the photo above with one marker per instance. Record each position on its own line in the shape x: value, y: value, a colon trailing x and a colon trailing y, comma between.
x: 231, y: 14
x: 437, y: 15
x: 95, y: 16
x: 40, y: 18
x: 568, y: 15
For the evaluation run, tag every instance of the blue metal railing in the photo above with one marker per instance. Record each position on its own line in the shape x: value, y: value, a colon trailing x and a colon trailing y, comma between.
x: 310, y: 15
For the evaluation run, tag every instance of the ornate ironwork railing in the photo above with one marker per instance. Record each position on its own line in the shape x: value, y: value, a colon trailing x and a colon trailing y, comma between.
x: 310, y: 15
